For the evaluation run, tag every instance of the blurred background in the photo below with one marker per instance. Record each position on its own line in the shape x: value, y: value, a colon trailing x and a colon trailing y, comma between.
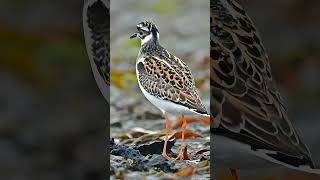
x: 290, y: 33
x: 53, y: 116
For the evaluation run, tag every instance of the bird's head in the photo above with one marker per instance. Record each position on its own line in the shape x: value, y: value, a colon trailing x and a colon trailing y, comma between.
x: 146, y: 31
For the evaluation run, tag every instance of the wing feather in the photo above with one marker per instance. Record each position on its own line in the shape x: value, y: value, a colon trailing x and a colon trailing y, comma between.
x: 246, y: 99
x: 96, y: 27
x: 167, y: 82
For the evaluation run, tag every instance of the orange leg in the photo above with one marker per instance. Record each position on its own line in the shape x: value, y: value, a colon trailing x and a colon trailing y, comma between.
x: 184, y: 126
x: 164, y: 151
x: 205, y: 120
x: 233, y: 173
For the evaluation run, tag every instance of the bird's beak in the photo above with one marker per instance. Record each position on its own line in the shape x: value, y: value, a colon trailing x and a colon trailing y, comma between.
x: 133, y: 36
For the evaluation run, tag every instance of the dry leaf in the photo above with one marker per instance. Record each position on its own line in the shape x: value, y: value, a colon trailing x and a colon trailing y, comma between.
x: 185, y: 172
x: 148, y: 137
x: 138, y: 131
x: 203, y: 164
x: 123, y: 136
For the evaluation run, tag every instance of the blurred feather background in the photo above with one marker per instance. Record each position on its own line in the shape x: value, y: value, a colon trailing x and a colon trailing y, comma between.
x: 290, y: 33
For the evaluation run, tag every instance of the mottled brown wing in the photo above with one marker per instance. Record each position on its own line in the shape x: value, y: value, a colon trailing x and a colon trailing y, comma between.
x: 180, y: 68
x: 161, y: 80
x: 244, y: 99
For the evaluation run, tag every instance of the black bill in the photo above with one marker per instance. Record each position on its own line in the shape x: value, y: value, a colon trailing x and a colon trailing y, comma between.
x: 133, y: 35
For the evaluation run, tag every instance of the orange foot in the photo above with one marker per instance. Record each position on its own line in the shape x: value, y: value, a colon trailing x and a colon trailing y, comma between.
x: 183, y: 154
x: 184, y: 126
x: 180, y: 156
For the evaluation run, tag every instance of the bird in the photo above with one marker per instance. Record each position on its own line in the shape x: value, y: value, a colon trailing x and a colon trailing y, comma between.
x: 249, y: 117
x: 165, y: 80
x: 96, y: 30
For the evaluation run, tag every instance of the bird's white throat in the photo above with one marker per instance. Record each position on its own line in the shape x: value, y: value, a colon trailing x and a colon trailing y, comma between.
x: 148, y: 38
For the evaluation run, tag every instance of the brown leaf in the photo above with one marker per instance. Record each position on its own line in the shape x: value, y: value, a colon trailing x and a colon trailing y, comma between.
x: 203, y: 164
x: 123, y: 136
x: 148, y: 138
x: 185, y: 172
x: 138, y: 132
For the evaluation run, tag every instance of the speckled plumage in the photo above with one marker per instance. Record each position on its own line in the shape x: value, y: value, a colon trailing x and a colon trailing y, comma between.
x: 245, y: 103
x: 165, y: 76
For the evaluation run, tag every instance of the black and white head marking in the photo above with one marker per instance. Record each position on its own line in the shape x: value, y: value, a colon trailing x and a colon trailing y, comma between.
x: 146, y: 31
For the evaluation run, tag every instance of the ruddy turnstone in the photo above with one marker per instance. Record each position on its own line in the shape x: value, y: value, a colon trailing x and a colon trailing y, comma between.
x: 249, y: 116
x: 96, y: 28
x: 165, y: 80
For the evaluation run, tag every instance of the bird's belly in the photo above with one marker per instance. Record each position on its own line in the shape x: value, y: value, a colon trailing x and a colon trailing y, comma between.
x: 165, y: 105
